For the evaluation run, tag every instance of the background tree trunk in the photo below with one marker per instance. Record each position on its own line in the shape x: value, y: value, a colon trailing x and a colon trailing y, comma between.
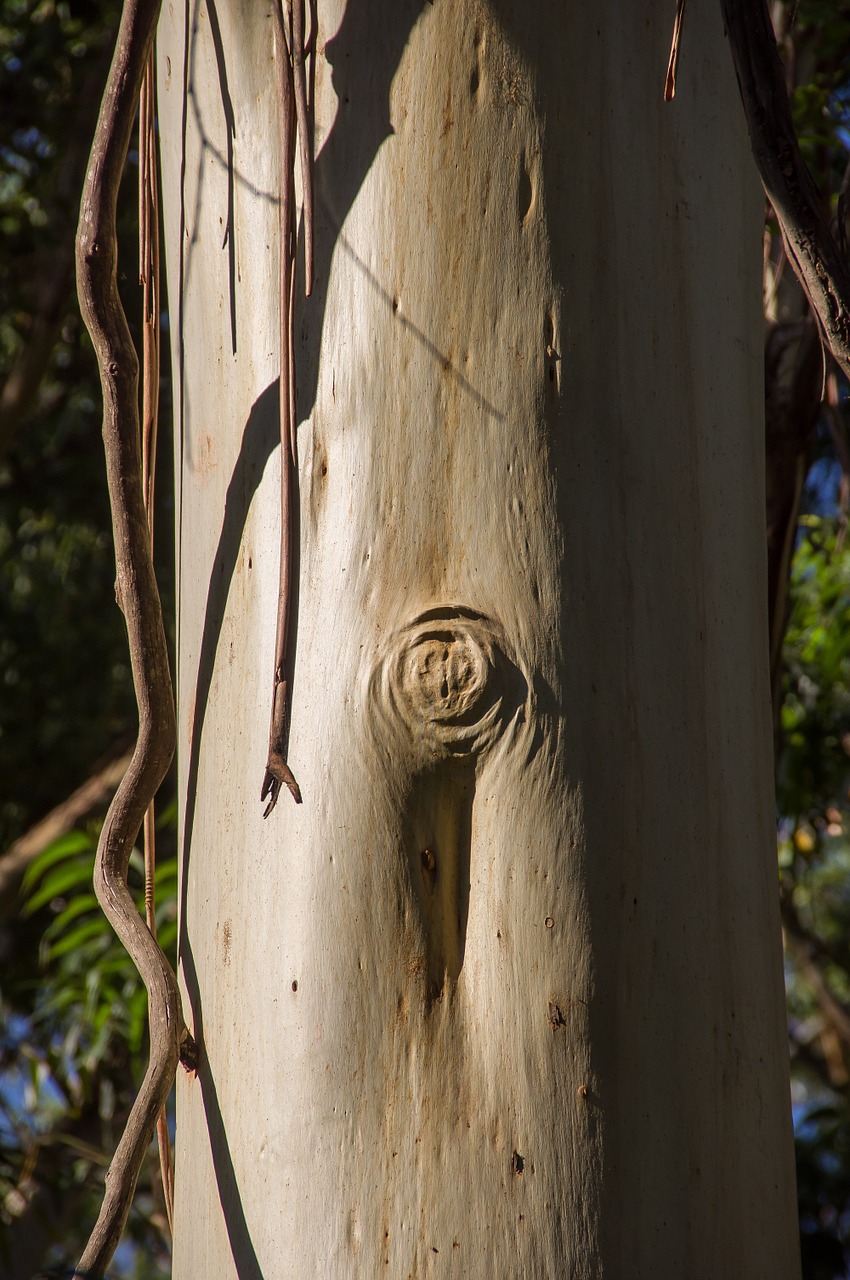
x: 503, y: 997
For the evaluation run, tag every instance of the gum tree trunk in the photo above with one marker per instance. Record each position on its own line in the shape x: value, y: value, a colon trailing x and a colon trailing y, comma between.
x: 503, y: 996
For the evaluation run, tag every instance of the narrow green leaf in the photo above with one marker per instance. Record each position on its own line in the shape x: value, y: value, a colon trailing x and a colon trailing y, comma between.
x: 56, y: 851
x: 56, y: 883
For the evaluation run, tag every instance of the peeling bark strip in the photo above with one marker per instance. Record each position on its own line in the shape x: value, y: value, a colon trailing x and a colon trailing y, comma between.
x: 811, y: 247
x: 292, y: 110
x: 139, y: 599
x: 149, y: 276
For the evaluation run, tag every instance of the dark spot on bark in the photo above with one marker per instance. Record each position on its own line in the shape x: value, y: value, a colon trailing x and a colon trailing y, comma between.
x: 294, y: 984
x: 429, y: 869
x: 517, y: 1163
x: 556, y: 1017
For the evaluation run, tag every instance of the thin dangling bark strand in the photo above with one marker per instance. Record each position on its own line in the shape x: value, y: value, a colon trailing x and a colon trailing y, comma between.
x: 293, y: 114
x: 149, y: 279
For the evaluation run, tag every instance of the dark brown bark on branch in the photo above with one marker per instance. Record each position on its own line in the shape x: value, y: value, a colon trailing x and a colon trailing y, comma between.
x: 278, y: 772
x: 812, y: 250
x: 139, y: 599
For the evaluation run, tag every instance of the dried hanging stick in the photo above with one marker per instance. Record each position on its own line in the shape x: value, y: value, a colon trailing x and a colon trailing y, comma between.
x: 292, y: 110
x: 673, y: 61
x: 139, y: 599
x: 149, y: 274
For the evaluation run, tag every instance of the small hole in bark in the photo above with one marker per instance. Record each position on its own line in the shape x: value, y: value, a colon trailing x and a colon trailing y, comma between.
x: 474, y: 81
x: 550, y: 923
x: 517, y: 1163
x: 250, y: 563
x: 396, y: 305
x: 429, y: 869
x: 294, y: 984
x: 436, y: 992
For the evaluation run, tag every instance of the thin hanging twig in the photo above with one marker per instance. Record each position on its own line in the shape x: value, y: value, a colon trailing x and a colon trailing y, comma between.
x: 838, y: 431
x: 293, y: 111
x: 149, y: 276
x: 139, y: 599
x: 305, y: 136
x: 673, y: 61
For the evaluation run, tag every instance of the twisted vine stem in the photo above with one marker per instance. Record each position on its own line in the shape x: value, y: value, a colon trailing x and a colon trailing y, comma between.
x: 138, y: 597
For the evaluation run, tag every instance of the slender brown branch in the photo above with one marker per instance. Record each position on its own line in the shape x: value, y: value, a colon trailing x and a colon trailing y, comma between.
x: 305, y: 137
x: 139, y: 599
x: 149, y: 279
x: 811, y: 247
x: 673, y: 61
x: 149, y: 274
x: 277, y: 772
x: 838, y: 432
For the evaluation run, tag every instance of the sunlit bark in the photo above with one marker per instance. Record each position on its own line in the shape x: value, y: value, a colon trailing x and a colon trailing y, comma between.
x: 503, y: 996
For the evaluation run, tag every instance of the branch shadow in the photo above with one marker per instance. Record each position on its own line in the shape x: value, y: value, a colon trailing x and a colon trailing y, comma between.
x: 238, y: 1233
x: 259, y: 440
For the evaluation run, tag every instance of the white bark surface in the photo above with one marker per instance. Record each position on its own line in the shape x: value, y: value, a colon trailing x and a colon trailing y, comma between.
x: 503, y: 997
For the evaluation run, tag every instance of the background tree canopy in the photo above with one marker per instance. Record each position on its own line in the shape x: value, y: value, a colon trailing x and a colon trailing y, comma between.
x: 72, y: 1046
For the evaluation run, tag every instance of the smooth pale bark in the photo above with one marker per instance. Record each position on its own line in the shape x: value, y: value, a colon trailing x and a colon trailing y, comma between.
x: 503, y: 997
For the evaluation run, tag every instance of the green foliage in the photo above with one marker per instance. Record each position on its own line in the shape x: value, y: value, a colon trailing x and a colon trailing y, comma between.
x: 88, y: 982
x: 81, y: 1050
x: 813, y: 797
x: 814, y: 768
